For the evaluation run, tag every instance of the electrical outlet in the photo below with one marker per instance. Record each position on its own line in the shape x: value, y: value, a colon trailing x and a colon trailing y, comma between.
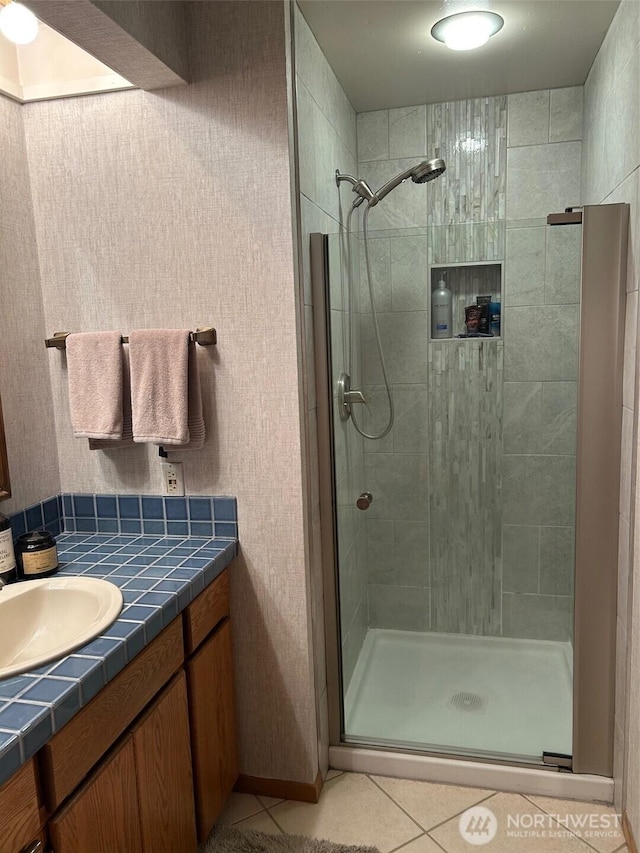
x: 172, y: 479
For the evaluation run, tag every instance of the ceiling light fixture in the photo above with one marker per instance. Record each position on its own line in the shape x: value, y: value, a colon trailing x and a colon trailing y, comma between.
x: 467, y: 30
x: 18, y: 24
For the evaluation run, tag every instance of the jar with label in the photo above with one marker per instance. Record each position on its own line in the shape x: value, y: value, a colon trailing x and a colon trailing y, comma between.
x: 7, y: 555
x: 37, y: 555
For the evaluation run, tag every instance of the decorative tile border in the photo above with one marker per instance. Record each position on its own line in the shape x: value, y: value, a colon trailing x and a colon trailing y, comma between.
x: 157, y: 515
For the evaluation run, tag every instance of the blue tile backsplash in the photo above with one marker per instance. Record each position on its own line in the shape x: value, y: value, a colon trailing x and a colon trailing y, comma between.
x: 47, y: 514
x: 131, y: 514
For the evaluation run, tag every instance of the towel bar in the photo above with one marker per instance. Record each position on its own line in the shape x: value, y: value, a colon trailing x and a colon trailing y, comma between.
x: 206, y: 337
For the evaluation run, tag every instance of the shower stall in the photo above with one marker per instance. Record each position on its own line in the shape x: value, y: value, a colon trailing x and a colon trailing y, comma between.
x: 469, y: 483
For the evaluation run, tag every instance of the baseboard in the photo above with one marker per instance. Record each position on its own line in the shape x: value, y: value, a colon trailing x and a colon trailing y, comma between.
x: 304, y: 792
x: 628, y: 834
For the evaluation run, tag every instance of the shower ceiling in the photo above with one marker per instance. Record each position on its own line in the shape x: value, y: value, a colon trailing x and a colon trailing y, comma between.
x: 384, y: 56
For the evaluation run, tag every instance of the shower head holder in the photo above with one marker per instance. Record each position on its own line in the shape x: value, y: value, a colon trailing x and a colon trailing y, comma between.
x: 359, y: 187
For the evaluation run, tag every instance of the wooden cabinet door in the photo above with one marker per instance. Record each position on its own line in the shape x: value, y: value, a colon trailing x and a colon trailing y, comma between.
x: 19, y: 810
x: 163, y: 767
x: 102, y: 817
x: 213, y: 730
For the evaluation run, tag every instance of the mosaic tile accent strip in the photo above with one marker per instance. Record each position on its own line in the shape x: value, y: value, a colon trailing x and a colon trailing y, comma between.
x: 467, y: 242
x: 465, y: 504
x: 158, y: 575
x: 151, y: 515
x: 471, y: 136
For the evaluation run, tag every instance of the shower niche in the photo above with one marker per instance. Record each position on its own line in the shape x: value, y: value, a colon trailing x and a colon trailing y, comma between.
x: 470, y: 284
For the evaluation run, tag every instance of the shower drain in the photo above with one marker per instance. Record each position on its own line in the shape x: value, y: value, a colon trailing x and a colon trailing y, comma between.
x: 468, y: 702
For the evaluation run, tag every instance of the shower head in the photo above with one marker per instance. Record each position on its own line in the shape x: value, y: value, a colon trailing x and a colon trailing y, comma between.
x: 421, y: 173
x: 427, y: 171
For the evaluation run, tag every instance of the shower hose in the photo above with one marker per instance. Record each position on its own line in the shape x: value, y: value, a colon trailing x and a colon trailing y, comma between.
x: 374, y: 316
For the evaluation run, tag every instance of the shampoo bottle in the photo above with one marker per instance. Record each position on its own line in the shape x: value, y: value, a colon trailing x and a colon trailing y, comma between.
x: 441, y: 310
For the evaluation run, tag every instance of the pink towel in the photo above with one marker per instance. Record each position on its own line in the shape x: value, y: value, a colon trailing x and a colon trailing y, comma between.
x: 159, y: 360
x: 196, y: 420
x: 126, y: 439
x: 94, y: 363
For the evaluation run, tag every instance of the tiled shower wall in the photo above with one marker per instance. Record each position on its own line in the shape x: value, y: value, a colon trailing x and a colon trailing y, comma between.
x: 539, y: 429
x: 326, y: 141
x: 610, y: 175
x: 542, y: 281
x: 438, y: 555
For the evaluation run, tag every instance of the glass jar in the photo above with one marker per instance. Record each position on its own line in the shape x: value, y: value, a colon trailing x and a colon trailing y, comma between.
x: 36, y: 555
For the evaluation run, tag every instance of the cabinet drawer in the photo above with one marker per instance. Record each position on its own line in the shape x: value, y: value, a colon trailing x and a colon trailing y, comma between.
x: 203, y: 614
x: 75, y: 749
x: 19, y: 812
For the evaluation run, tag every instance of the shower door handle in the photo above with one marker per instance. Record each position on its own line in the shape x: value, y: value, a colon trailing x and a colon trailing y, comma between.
x: 365, y: 500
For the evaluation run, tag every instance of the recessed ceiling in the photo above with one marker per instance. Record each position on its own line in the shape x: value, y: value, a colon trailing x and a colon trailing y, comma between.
x: 52, y: 67
x: 384, y: 56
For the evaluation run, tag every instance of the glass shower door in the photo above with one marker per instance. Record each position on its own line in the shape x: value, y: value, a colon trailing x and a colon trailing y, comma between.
x: 455, y: 581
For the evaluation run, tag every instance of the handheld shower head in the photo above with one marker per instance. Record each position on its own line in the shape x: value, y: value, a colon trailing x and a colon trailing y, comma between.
x: 421, y: 173
x: 428, y: 170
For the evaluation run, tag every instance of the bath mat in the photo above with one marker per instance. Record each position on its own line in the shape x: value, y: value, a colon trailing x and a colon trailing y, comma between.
x: 226, y: 839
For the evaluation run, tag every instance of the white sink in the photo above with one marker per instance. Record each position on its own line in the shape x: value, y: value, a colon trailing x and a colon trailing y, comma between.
x: 47, y: 619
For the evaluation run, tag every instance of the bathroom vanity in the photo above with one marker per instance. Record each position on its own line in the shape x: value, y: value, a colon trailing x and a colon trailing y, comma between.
x: 146, y: 764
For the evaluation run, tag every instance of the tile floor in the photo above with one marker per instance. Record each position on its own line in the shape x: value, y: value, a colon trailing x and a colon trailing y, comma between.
x: 420, y: 817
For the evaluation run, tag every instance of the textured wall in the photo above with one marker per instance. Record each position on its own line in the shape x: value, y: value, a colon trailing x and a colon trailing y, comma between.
x: 611, y: 174
x: 159, y: 26
x: 24, y: 372
x: 173, y: 209
x: 509, y: 163
x: 326, y: 139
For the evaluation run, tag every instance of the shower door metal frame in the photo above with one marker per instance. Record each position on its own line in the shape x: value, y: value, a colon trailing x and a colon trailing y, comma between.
x: 598, y: 457
x: 319, y: 251
x: 598, y: 454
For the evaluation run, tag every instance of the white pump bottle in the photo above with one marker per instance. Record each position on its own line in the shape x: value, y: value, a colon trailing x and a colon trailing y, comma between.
x: 441, y: 311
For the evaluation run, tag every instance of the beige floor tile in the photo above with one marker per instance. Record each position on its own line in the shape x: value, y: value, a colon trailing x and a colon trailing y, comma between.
x: 260, y: 823
x: 427, y: 803
x: 352, y: 810
x: 603, y: 830
x: 238, y: 807
x: 270, y: 802
x: 423, y: 844
x: 546, y: 837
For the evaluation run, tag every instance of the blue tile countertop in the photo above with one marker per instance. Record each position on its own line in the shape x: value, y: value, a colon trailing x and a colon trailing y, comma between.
x: 158, y: 575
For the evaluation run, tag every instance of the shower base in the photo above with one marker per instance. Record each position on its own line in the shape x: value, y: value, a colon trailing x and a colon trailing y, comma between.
x: 467, y: 695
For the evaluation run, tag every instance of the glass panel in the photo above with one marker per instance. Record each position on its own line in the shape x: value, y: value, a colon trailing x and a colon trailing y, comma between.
x: 456, y: 583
